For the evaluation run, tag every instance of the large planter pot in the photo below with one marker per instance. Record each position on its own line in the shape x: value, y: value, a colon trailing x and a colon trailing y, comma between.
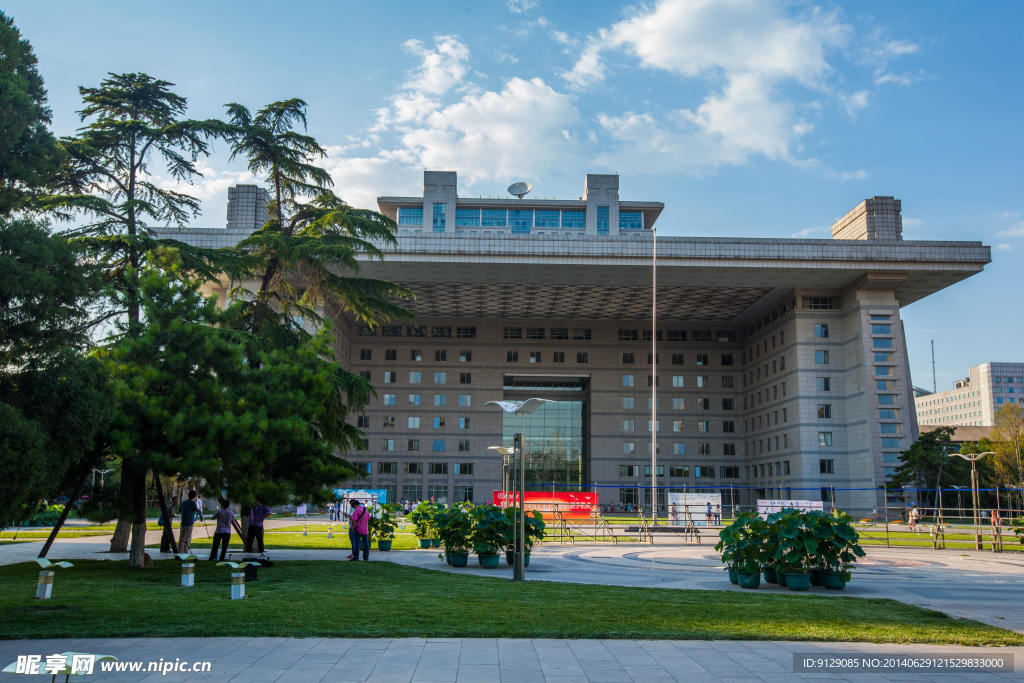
x: 384, y: 545
x: 510, y: 558
x: 424, y: 542
x: 489, y: 561
x: 816, y: 577
x: 833, y: 581
x: 770, y: 576
x: 798, y: 582
x: 732, y: 576
x: 435, y: 543
x: 781, y: 577
x: 448, y: 557
x: 458, y: 559
x: 746, y: 580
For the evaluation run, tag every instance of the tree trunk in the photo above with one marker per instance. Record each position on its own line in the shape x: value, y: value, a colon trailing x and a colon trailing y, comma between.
x: 63, y: 516
x: 119, y: 541
x: 243, y: 519
x: 166, y: 531
x: 137, y: 510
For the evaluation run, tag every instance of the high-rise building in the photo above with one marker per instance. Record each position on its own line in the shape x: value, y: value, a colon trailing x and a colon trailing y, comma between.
x: 781, y: 366
x: 974, y: 400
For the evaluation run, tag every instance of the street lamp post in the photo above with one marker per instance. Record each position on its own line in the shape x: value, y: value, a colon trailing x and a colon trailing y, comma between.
x: 102, y: 472
x: 527, y: 407
x: 975, y: 494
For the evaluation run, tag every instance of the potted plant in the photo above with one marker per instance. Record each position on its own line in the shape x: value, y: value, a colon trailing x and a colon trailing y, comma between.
x: 796, y: 549
x: 382, y: 526
x: 534, y: 527
x: 455, y: 528
x: 422, y: 518
x: 742, y: 548
x: 837, y: 550
x: 491, y: 532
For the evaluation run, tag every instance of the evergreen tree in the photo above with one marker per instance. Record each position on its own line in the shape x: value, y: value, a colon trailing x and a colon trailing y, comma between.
x: 28, y: 151
x: 54, y: 402
x: 927, y: 465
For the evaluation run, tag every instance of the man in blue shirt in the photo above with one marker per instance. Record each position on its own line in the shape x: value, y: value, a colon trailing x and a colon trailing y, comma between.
x: 189, y: 510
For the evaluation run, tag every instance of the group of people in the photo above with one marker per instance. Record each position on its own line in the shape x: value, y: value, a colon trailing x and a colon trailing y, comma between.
x: 192, y: 510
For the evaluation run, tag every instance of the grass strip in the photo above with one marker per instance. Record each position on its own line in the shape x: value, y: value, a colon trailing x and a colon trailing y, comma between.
x: 99, y: 599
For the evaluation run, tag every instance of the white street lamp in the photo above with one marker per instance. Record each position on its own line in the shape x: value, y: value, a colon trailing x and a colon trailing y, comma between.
x: 527, y: 407
x: 974, y: 458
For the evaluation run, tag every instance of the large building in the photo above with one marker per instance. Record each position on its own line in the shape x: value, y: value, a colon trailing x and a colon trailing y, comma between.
x: 974, y: 400
x: 781, y: 370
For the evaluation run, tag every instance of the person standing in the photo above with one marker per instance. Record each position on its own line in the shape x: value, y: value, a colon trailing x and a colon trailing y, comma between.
x: 224, y: 518
x: 189, y: 509
x: 257, y: 514
x: 170, y: 512
x: 199, y: 509
x: 361, y: 531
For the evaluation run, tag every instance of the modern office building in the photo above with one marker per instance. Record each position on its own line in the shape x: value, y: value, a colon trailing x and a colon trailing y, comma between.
x: 974, y: 400
x: 781, y: 367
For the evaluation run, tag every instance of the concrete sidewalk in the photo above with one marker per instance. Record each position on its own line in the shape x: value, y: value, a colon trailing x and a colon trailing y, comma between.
x: 418, y: 660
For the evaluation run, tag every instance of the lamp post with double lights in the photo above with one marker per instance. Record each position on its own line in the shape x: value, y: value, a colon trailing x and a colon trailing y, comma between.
x: 527, y: 407
x: 975, y: 494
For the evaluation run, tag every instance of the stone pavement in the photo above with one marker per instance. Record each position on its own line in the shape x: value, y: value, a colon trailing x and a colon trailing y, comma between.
x: 419, y: 660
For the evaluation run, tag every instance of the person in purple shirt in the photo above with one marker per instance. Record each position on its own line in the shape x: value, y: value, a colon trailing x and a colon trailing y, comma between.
x: 361, y: 530
x: 257, y: 514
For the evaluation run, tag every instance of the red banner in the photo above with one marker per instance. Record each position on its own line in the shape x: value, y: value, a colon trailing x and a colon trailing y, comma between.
x: 571, y: 504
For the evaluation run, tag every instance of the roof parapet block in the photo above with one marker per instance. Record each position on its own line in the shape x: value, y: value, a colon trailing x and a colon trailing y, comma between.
x: 877, y: 218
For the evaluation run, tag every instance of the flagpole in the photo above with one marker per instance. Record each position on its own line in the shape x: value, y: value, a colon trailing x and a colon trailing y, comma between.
x: 654, y: 379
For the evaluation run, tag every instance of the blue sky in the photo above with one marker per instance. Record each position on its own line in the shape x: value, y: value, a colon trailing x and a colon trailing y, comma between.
x: 764, y: 119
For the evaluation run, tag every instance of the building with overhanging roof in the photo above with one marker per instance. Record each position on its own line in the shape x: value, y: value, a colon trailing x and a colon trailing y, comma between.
x: 782, y: 367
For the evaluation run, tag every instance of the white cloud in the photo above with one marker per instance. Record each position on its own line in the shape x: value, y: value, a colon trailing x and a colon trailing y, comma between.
x: 520, y: 131
x: 808, y: 232
x: 359, y: 180
x: 752, y: 48
x: 442, y: 68
x: 855, y: 175
x: 1013, y: 231
x: 520, y: 6
x: 854, y: 102
x: 1004, y: 247
x: 912, y: 223
x: 880, y: 50
x: 1009, y: 214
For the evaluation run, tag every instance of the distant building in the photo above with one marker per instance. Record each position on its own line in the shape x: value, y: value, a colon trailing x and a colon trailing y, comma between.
x: 974, y: 400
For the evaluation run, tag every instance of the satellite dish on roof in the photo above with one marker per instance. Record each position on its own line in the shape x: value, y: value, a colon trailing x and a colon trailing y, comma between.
x: 519, y: 189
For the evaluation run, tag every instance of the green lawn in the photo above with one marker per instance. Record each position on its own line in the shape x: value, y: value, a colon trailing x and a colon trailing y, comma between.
x: 98, y: 599
x: 275, y: 540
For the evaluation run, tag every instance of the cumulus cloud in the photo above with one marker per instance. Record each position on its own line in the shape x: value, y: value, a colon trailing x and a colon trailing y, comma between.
x: 439, y: 120
x: 1004, y: 247
x: 854, y: 175
x: 751, y: 48
x: 912, y: 223
x: 1013, y: 231
x: 880, y: 50
x: 809, y: 232
x: 520, y: 6
x: 853, y: 103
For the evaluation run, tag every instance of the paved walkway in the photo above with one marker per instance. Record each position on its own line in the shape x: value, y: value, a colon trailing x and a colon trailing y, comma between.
x: 417, y: 660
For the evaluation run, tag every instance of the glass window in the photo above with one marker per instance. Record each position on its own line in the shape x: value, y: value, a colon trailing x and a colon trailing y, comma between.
x: 631, y: 220
x: 410, y: 216
x: 881, y: 329
x: 520, y: 221
x: 582, y: 357
x: 440, y: 399
x: 889, y: 442
x: 821, y: 357
x: 678, y: 380
x: 467, y: 217
x: 627, y: 425
x: 581, y: 334
x: 887, y: 414
x: 414, y: 399
x: 885, y: 371
x: 414, y: 378
x: 824, y: 410
x: 465, y: 400
x: 679, y: 449
x: 574, y: 219
x: 420, y: 331
x: 820, y: 330
x: 464, y: 494
x: 535, y: 356
x: 414, y: 423
x: 439, y: 210
x: 546, y: 219
x: 513, y: 333
x: 826, y: 466
x: 438, y: 423
x: 627, y: 380
x: 559, y: 333
x: 438, y: 445
x: 511, y: 356
x: 493, y: 218
x: 628, y: 448
x: 824, y: 438
x: 883, y: 357
x: 465, y: 332
x: 628, y: 402
x: 676, y: 336
x: 882, y: 343
x: 824, y: 384
x: 880, y: 318
x: 439, y: 377
x: 629, y: 335
x: 678, y: 404
x: 534, y: 332
x: 441, y: 331
x: 602, y: 220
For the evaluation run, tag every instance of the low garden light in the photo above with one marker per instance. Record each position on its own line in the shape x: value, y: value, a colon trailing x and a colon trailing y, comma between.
x: 237, y: 578
x: 45, y: 586
x: 188, y: 569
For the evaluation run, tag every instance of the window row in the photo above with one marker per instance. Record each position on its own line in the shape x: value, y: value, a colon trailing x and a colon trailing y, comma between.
x: 465, y: 400
x: 756, y: 447
x: 438, y: 331
x: 413, y: 445
x: 767, y: 394
x: 388, y: 422
x: 629, y: 448
x: 781, y: 469
x: 703, y: 426
x: 460, y: 468
x: 753, y: 352
x: 778, y: 365
x: 629, y: 403
x: 681, y: 471
x: 762, y: 421
x: 417, y: 377
x: 628, y: 335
